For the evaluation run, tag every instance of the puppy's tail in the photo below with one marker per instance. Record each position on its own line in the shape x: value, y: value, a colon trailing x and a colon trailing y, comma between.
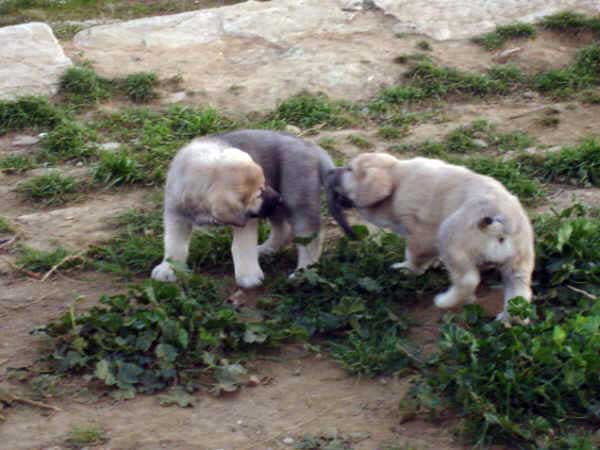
x: 326, y: 165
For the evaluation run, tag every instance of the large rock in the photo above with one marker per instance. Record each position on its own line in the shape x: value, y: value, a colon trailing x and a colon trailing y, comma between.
x: 457, y: 19
x: 250, y: 55
x: 31, y: 60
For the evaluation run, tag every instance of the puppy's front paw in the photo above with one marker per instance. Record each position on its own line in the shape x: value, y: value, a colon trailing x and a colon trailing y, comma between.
x: 445, y: 300
x: 404, y: 265
x: 507, y: 320
x: 163, y: 272
x: 250, y: 281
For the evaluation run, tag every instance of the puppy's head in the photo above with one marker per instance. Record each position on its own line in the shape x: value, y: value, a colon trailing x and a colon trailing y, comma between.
x: 366, y: 181
x: 240, y: 193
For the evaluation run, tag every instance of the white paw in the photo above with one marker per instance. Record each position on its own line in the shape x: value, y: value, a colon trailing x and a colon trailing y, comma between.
x: 445, y: 300
x: 250, y: 281
x: 404, y: 265
x: 507, y: 320
x: 163, y: 272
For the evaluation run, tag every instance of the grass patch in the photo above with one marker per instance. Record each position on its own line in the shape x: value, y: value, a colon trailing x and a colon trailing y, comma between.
x: 115, y: 169
x: 28, y: 112
x: 424, y: 45
x: 360, y: 141
x: 328, y: 143
x: 80, y: 85
x: 51, y: 189
x: 140, y: 87
x: 83, y: 436
x: 307, y: 110
x: 5, y: 225
x: 577, y: 166
x: 570, y: 22
x: 499, y: 37
x: 69, y: 140
x: 41, y: 261
x: 16, y: 164
x: 390, y: 132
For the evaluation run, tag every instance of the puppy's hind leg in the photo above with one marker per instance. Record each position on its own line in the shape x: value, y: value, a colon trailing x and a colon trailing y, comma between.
x: 307, y: 226
x: 244, y: 250
x: 464, y: 284
x: 517, y: 283
x: 417, y: 257
x: 178, y: 230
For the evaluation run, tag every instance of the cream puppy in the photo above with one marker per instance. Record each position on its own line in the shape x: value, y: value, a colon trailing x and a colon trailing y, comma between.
x: 468, y: 220
x: 211, y: 183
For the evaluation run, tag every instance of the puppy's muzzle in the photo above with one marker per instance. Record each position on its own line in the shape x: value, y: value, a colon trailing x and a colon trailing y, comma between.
x: 334, y: 179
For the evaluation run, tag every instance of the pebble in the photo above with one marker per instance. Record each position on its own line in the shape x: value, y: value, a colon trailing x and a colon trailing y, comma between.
x: 24, y: 140
x: 110, y: 146
x: 480, y: 143
x: 292, y: 129
x: 288, y: 440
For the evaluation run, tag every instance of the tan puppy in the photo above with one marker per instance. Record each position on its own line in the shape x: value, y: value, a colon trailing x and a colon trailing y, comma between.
x: 210, y: 183
x: 469, y: 220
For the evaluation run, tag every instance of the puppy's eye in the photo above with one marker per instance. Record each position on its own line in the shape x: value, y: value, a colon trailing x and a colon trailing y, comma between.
x: 501, y: 240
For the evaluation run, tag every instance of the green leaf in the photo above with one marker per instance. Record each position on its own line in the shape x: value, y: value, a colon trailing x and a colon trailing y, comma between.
x: 166, y: 352
x: 559, y: 335
x: 177, y: 396
x: 104, y: 373
x: 563, y: 236
x: 128, y: 374
x: 254, y: 335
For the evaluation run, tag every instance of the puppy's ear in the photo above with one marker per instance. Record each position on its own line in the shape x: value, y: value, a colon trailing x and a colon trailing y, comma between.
x: 227, y: 209
x: 374, y: 184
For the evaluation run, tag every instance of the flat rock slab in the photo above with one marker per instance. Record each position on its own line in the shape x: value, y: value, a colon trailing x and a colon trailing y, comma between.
x: 31, y: 61
x: 461, y: 19
x: 251, y: 55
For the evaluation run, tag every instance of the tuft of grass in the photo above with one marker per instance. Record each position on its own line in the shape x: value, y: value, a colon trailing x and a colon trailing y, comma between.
x: 424, y: 45
x: 140, y: 87
x: 578, y: 166
x: 50, y: 189
x: 328, y: 143
x: 390, y: 132
x: 497, y: 39
x: 84, y: 436
x: 462, y: 139
x: 81, y: 86
x: 508, y: 75
x: 5, y: 225
x: 567, y: 21
x: 41, y: 261
x: 28, y: 112
x: 66, y: 31
x: 69, y: 140
x: 549, y: 121
x: 16, y: 164
x: 115, y: 169
x: 590, y: 96
x: 360, y: 141
x: 307, y: 110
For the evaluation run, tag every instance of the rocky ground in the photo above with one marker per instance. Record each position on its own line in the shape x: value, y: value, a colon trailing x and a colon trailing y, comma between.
x: 247, y: 58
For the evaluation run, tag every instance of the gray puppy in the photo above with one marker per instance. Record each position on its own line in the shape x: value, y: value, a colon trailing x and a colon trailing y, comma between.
x: 210, y: 182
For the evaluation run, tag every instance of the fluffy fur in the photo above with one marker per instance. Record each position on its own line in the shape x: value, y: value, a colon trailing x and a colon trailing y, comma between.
x: 469, y: 221
x: 235, y: 178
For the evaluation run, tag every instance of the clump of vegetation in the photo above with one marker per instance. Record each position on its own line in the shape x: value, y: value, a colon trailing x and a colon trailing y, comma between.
x: 41, y: 261
x: 424, y: 45
x: 50, y: 189
x: 81, y: 86
x: 578, y: 166
x: 509, y: 75
x: 5, y: 225
x: 115, y: 169
x: 28, y: 112
x: 570, y: 21
x: 497, y: 39
x: 307, y: 110
x: 16, y: 163
x: 140, y: 87
x: 360, y: 141
x: 390, y: 132
x: 529, y: 386
x: 69, y: 140
x: 583, y: 73
x: 160, y: 334
x: 328, y: 143
x: 85, y: 436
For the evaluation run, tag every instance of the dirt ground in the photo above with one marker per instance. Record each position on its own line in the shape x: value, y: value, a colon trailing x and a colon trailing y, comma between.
x: 306, y: 393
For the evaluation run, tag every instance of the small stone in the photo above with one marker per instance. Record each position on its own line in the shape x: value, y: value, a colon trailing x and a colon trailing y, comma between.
x: 176, y: 97
x: 288, y: 440
x: 253, y: 380
x: 505, y: 55
x: 359, y: 436
x: 110, y: 146
x: 383, y: 381
x: 480, y: 143
x: 240, y: 422
x: 79, y: 164
x: 292, y: 129
x: 24, y: 140
x: 297, y: 372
